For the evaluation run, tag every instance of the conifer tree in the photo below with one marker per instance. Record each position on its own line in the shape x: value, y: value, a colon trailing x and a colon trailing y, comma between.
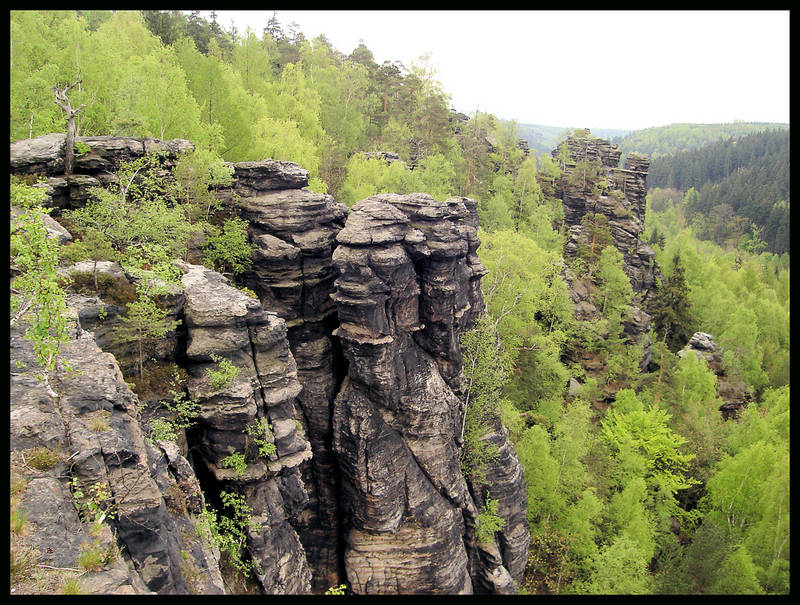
x: 673, y: 319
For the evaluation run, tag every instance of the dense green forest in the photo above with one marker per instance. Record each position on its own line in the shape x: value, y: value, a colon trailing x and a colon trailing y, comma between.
x: 740, y: 189
x: 606, y: 464
x: 665, y: 140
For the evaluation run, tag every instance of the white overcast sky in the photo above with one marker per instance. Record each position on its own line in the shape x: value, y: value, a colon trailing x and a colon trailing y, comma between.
x: 595, y: 69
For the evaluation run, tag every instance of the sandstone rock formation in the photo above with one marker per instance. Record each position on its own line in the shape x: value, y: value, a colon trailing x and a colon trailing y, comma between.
x: 408, y: 288
x: 294, y: 231
x: 93, y: 429
x: 349, y: 355
x: 621, y: 200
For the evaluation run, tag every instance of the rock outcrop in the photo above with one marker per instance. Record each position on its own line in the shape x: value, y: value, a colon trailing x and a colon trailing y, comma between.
x: 620, y: 199
x: 294, y: 233
x: 44, y: 155
x: 731, y: 389
x: 148, y: 491
x: 348, y: 361
x: 224, y: 322
x: 408, y: 287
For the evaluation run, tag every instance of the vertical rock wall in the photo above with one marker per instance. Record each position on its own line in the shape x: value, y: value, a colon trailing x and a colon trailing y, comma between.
x: 294, y: 231
x: 622, y: 202
x: 408, y: 288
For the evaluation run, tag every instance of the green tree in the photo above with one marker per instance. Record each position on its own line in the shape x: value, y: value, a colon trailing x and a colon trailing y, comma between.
x: 486, y: 366
x: 673, y: 319
x: 229, y: 251
x: 37, y: 294
x: 143, y: 324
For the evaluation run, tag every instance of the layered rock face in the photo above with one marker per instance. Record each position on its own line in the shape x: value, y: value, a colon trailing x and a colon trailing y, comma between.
x: 294, y: 231
x: 349, y: 360
x: 223, y: 321
x: 151, y: 490
x: 44, y: 155
x: 408, y: 287
x: 622, y: 203
x: 621, y: 200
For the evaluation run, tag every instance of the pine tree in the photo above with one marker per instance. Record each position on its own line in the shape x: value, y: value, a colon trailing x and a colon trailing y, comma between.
x: 673, y: 319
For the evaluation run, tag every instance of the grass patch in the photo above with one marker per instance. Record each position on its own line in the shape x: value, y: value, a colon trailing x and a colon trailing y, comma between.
x: 71, y: 586
x: 98, y: 421
x: 95, y: 557
x: 42, y: 458
x: 18, y: 520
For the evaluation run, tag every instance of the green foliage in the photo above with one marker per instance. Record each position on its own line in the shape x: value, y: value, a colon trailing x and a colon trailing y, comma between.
x: 93, y: 245
x: 741, y: 189
x: 143, y: 323
x: 261, y: 431
x: 737, y: 575
x: 527, y: 297
x: 673, y: 319
x: 183, y: 413
x: 644, y: 448
x: 674, y: 138
x: 488, y: 522
x: 37, y: 294
x: 614, y: 288
x: 619, y: 568
x: 237, y: 462
x: 228, y: 250
x: 337, y: 590
x: 486, y: 366
x: 96, y: 503
x: 229, y: 532
x: 225, y: 373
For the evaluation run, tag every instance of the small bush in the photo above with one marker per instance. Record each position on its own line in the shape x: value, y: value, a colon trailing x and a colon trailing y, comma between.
x: 156, y: 375
x: 237, y: 462
x: 337, y: 590
x: 224, y: 375
x: 488, y: 522
x: 260, y: 430
x: 229, y: 533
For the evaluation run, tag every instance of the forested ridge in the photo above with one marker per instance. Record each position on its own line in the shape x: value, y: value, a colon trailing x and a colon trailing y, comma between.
x: 740, y: 188
x: 637, y: 483
x: 673, y: 138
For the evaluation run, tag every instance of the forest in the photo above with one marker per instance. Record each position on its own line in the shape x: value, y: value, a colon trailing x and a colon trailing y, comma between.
x: 674, y: 138
x: 636, y: 482
x: 739, y: 189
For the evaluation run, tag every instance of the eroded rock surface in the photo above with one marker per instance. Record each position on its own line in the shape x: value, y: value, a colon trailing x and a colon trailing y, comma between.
x: 294, y: 232
x: 93, y: 429
x: 621, y: 201
x: 223, y: 322
x: 409, y: 286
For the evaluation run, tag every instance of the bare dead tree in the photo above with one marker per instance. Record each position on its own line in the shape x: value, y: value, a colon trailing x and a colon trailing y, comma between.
x: 63, y: 102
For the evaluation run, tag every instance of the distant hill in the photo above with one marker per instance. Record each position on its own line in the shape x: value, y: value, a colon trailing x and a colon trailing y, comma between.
x: 543, y: 139
x: 673, y: 138
x: 743, y: 177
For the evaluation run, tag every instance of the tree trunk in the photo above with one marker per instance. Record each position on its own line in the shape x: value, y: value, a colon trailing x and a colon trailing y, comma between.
x: 63, y: 102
